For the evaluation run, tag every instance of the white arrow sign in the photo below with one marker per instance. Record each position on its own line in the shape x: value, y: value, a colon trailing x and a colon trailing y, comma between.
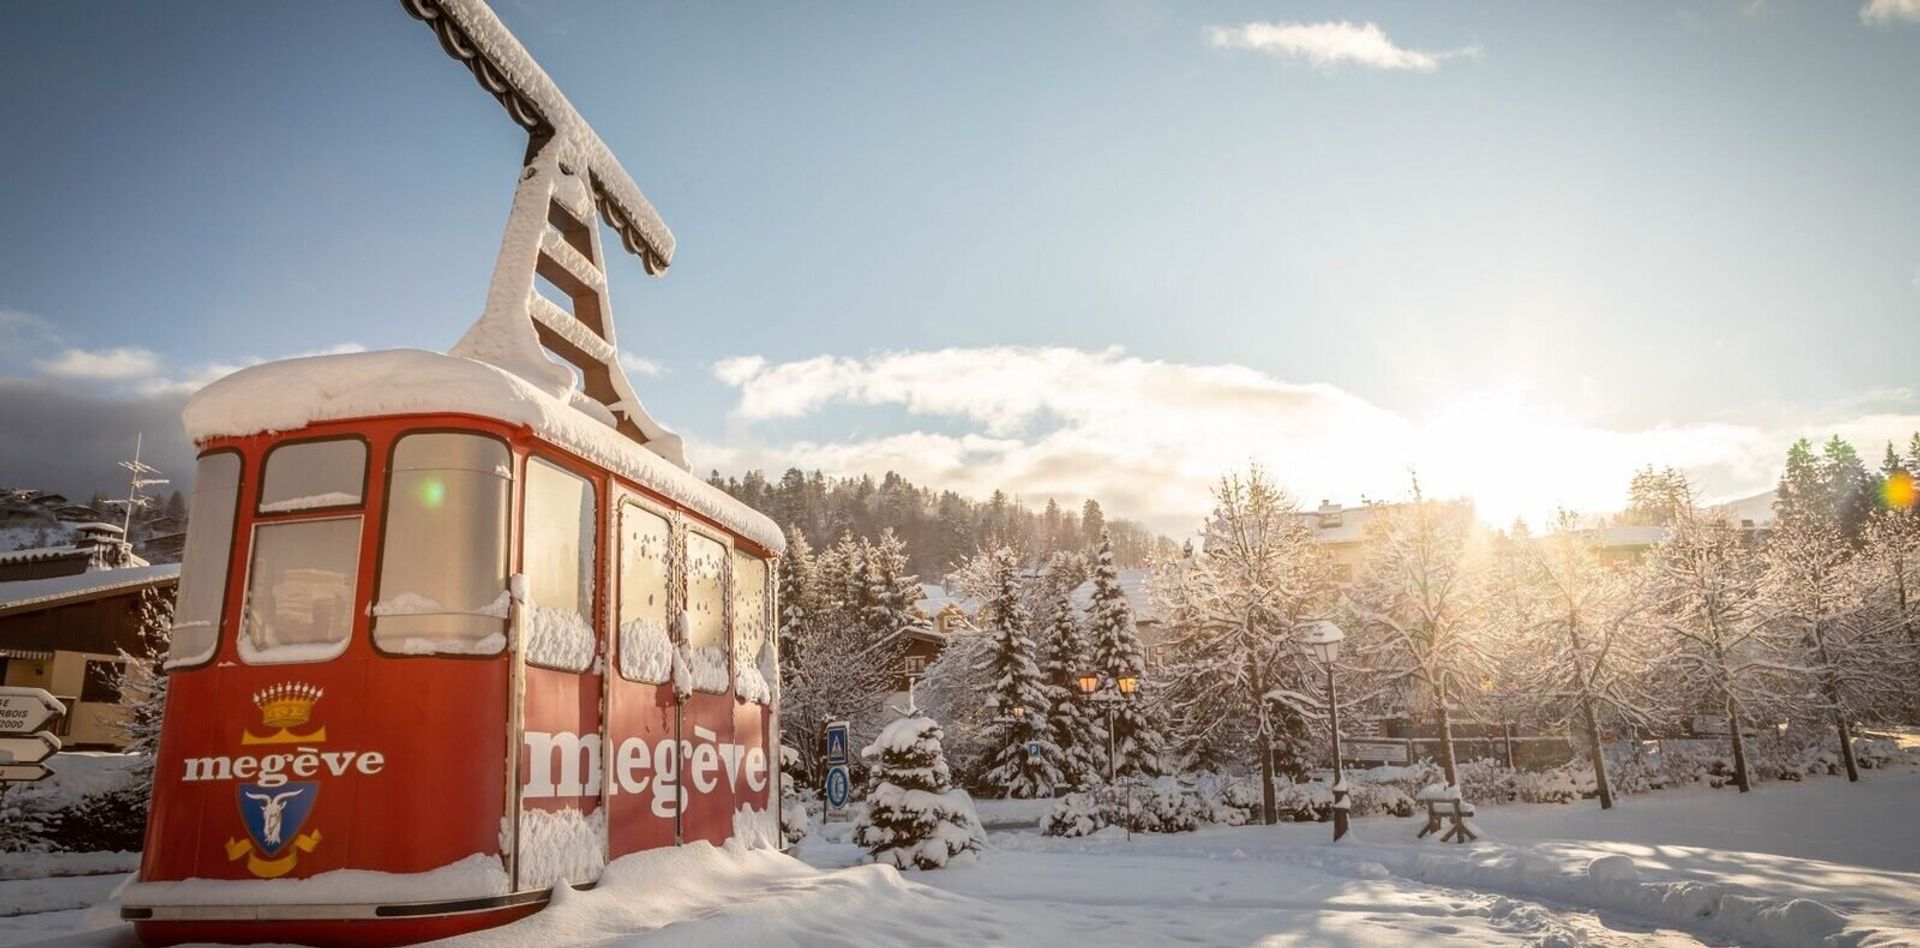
x: 28, y: 748
x: 23, y: 710
x: 23, y: 773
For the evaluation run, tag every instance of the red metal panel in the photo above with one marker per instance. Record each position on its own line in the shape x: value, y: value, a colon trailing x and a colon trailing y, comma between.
x: 706, y: 735
x: 644, y: 796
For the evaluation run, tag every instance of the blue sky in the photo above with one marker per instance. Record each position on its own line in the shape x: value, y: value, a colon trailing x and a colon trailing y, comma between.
x: 1061, y: 248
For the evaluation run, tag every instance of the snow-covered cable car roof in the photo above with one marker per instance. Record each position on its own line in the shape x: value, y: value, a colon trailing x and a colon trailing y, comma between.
x: 294, y: 393
x: 472, y: 34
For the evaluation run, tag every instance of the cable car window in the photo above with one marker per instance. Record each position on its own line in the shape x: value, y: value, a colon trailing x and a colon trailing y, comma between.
x: 558, y: 553
x: 203, y: 580
x: 753, y: 670
x: 300, y: 589
x: 443, y: 558
x: 646, y: 650
x: 314, y: 475
x: 707, y: 612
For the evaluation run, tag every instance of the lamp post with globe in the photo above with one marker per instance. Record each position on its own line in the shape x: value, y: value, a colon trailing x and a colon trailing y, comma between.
x: 1322, y: 639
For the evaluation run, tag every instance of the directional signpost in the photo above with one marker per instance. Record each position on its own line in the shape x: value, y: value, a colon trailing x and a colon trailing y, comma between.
x: 22, y: 744
x: 839, y: 787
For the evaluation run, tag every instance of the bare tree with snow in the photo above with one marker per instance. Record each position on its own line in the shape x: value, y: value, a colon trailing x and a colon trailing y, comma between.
x: 1704, y: 580
x: 1419, y: 607
x: 1237, y: 681
x: 1588, y: 638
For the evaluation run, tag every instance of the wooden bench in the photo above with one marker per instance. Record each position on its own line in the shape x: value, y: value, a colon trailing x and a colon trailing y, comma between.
x: 1455, y: 811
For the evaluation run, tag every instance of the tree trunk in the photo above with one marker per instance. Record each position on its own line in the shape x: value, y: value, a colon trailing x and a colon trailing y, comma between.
x: 1739, y: 746
x: 1446, y: 744
x: 1596, y: 753
x: 1846, y: 745
x: 1268, y: 808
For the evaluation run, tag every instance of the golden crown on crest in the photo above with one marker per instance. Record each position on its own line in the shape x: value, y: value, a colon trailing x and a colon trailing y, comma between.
x: 288, y: 704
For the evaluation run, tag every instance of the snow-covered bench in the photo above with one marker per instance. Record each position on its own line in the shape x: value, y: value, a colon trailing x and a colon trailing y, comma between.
x: 1444, y: 804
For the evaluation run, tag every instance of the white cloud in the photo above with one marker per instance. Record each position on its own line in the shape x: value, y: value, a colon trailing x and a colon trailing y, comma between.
x: 1887, y: 12
x: 19, y: 328
x: 640, y: 365
x: 1331, y: 45
x: 136, y: 371
x: 1148, y: 438
x: 115, y: 364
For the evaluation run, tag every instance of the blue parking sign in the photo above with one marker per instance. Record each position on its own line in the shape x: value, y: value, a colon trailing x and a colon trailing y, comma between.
x: 1033, y: 748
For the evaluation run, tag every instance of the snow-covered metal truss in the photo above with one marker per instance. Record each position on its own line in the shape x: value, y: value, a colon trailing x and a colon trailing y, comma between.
x: 569, y: 174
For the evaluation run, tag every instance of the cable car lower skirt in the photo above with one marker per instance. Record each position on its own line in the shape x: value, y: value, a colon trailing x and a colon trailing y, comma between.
x: 400, y: 923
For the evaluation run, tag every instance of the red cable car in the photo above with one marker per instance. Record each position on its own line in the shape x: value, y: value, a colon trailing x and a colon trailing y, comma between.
x: 456, y: 629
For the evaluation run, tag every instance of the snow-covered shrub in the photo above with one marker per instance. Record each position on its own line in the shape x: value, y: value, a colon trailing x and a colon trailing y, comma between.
x: 1076, y: 814
x: 1377, y: 799
x: 1303, y: 802
x: 1563, y: 784
x: 1148, y: 806
x: 1161, y: 806
x: 1487, y: 781
x: 1228, y: 800
x: 915, y: 816
x: 26, y: 820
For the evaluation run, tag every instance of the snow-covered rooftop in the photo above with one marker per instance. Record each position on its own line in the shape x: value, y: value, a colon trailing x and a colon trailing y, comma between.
x: 56, y: 589
x: 294, y: 393
x: 1133, y: 582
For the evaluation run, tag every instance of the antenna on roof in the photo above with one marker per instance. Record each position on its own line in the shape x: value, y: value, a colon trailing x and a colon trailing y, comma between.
x: 142, y: 476
x: 567, y: 174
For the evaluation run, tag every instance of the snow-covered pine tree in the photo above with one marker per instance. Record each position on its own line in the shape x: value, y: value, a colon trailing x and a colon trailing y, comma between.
x: 1076, y: 724
x: 1136, y: 740
x: 1018, y: 696
x: 799, y: 599
x: 1420, y: 611
x: 915, y: 817
x: 890, y: 592
x: 1237, y: 683
x: 143, y: 683
x: 1715, y: 643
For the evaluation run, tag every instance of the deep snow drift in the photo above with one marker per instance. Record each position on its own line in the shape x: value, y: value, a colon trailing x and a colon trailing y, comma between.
x: 1818, y: 863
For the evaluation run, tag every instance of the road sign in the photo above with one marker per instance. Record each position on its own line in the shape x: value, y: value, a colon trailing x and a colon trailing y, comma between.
x: 28, y: 748
x: 1385, y: 752
x: 23, y: 710
x: 837, y: 742
x: 1033, y: 748
x: 23, y: 773
x: 839, y: 790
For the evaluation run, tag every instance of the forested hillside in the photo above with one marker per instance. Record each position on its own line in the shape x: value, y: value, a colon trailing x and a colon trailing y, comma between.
x: 940, y: 529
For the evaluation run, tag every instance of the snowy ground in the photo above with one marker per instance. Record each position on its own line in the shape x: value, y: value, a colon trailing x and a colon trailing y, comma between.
x: 1707, y: 867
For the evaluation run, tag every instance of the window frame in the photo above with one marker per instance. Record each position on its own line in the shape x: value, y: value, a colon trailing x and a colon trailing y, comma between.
x: 386, y: 511
x: 675, y: 564
x: 768, y: 617
x: 366, y: 476
x: 226, y: 573
x: 726, y: 598
x: 593, y: 477
x: 356, y: 608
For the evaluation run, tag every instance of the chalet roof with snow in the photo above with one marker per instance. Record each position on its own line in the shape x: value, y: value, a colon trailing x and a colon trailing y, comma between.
x: 59, y: 590
x: 1133, y: 582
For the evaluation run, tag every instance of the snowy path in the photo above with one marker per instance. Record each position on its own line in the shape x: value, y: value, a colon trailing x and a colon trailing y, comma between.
x: 1707, y: 867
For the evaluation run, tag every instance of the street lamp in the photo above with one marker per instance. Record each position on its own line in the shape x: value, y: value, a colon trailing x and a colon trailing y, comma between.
x: 1322, y: 639
x: 1122, y: 684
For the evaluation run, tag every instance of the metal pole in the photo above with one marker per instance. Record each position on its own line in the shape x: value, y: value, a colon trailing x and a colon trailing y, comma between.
x: 1110, y: 744
x: 1339, y: 771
